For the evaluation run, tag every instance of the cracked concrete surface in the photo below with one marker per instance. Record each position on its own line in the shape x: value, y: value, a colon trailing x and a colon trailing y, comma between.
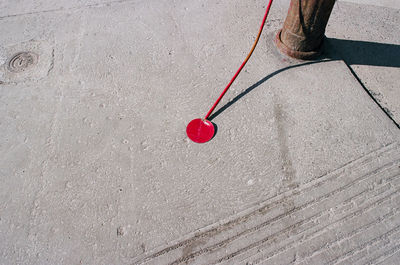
x: 96, y: 168
x: 371, y: 47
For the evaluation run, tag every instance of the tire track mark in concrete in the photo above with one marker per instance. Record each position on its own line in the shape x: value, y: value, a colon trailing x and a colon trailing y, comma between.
x: 292, y: 226
x: 312, y: 234
x: 385, y: 256
x: 366, y: 244
x: 300, y: 237
x: 230, y: 225
x: 374, y: 256
x: 353, y: 233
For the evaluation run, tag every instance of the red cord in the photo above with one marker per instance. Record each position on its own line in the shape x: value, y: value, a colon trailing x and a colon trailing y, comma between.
x: 243, y: 64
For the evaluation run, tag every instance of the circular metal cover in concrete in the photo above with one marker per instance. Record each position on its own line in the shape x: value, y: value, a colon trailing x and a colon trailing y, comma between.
x: 22, y: 61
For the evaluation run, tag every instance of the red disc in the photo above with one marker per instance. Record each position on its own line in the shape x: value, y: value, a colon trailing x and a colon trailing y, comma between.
x: 200, y: 131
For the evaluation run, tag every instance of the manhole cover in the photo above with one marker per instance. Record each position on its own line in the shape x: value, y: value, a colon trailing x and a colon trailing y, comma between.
x: 22, y: 61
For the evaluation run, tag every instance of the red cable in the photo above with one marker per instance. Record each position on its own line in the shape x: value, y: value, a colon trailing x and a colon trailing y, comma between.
x: 243, y: 64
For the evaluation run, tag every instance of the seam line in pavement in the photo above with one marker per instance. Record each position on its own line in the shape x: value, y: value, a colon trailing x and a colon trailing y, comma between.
x: 371, y: 96
x: 66, y: 9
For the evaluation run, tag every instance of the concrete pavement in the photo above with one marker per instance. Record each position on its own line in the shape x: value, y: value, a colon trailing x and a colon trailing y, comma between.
x: 96, y: 168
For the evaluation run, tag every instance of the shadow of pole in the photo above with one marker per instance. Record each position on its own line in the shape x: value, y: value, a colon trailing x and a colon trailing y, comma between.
x: 260, y: 82
x: 363, y: 52
x: 350, y: 51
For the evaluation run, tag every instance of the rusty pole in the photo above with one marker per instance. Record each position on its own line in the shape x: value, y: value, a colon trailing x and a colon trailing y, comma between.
x: 303, y: 32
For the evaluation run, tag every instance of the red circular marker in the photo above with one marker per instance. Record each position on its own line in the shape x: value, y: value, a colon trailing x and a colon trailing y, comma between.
x: 200, y: 131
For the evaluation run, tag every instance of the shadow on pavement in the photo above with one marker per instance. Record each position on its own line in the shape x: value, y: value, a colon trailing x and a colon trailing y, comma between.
x: 351, y: 52
x: 251, y: 88
x: 363, y: 52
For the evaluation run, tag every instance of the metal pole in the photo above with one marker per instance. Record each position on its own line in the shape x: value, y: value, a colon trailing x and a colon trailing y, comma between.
x: 303, y: 32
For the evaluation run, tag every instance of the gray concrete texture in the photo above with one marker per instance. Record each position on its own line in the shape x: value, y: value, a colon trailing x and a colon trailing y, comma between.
x: 371, y: 47
x: 384, y: 3
x: 96, y: 168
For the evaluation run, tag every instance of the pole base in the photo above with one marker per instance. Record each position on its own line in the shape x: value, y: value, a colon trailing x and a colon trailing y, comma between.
x: 309, y: 55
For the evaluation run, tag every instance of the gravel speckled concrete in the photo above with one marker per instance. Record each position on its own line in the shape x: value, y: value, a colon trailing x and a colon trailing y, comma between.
x: 384, y: 3
x: 96, y: 168
x: 371, y: 47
